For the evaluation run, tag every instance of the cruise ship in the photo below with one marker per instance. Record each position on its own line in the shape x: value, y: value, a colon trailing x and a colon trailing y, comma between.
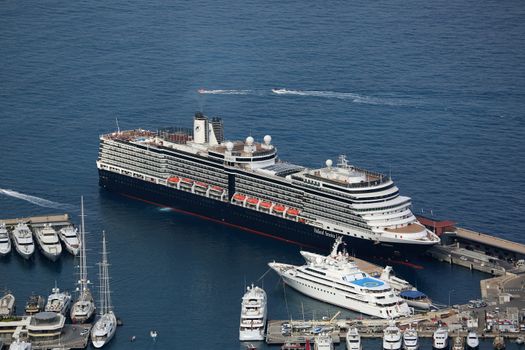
x: 337, y: 280
x: 245, y: 185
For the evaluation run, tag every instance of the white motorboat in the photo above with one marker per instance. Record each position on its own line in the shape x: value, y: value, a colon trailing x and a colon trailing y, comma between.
x: 58, y: 301
x: 69, y: 235
x: 440, y: 338
x: 48, y: 242
x: 406, y: 291
x: 84, y: 308
x: 7, y: 305
x: 472, y: 341
x: 353, y: 340
x: 20, y: 345
x: 253, y: 314
x: 106, y: 325
x: 458, y: 343
x: 5, y: 242
x: 392, y: 337
x: 323, y: 341
x: 410, y: 339
x: 23, y: 240
x: 337, y: 280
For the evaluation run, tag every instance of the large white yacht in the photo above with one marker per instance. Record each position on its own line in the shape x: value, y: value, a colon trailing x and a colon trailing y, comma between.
x: 440, y: 339
x: 23, y: 240
x: 323, y: 341
x: 47, y: 239
x: 337, y: 280
x: 353, y: 340
x: 472, y: 341
x: 84, y: 308
x: 5, y: 242
x: 392, y: 337
x: 69, y: 235
x: 58, y: 301
x: 253, y: 314
x: 410, y: 339
x: 106, y: 325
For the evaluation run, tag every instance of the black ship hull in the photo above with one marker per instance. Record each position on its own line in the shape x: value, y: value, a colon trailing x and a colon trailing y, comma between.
x: 248, y: 219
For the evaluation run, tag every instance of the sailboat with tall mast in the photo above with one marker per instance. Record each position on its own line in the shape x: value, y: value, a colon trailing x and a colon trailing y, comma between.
x: 84, y: 308
x: 106, y: 325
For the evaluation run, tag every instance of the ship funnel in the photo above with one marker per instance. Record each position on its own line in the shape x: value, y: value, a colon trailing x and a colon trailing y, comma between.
x: 200, y: 128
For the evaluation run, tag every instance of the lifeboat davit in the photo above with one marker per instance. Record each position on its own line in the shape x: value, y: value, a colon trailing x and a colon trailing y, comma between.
x: 252, y: 201
x: 174, y: 179
x: 279, y: 208
x: 239, y: 197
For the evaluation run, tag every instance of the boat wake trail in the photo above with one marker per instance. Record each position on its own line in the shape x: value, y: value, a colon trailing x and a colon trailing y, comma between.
x: 225, y: 92
x: 36, y: 200
x: 356, y: 98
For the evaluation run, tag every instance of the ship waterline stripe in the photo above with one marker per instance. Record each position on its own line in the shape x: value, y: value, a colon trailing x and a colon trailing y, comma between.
x: 219, y: 221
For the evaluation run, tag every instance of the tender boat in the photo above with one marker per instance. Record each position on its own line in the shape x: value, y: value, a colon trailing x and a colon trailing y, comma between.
x: 48, y: 242
x: 23, y: 240
x: 410, y: 339
x: 458, y: 343
x: 392, y: 337
x: 472, y: 341
x: 440, y: 339
x: 407, y: 292
x: 7, y: 305
x: 35, y: 304
x: 353, y: 340
x: 323, y: 341
x: 356, y: 290
x: 69, y: 235
x: 58, y: 301
x: 5, y: 242
x: 106, y: 325
x: 499, y: 342
x: 253, y: 314
x: 20, y: 345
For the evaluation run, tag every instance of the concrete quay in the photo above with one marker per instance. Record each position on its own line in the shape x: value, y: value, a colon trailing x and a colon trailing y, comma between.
x: 38, y: 221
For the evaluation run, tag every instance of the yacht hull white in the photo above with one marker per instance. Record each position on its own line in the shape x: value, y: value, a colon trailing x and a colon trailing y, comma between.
x: 104, y: 330
x: 69, y: 237
x: 253, y: 315
x: 23, y: 241
x: 5, y: 242
x: 48, y: 242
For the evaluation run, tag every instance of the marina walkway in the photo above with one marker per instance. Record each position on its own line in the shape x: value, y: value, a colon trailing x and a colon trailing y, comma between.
x: 491, y: 240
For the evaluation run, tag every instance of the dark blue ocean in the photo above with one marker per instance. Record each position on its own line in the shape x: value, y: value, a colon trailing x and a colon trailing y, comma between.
x: 432, y: 93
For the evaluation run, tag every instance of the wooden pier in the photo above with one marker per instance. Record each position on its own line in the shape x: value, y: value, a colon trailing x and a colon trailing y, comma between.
x: 36, y: 221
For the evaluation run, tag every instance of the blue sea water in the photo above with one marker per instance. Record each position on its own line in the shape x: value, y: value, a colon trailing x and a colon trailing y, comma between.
x: 432, y: 93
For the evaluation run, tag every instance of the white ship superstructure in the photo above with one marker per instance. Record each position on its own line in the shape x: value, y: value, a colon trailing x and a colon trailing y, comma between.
x: 23, y: 240
x: 106, y: 325
x: 58, y: 301
x: 253, y: 314
x: 197, y: 169
x: 47, y: 239
x: 5, y: 242
x: 337, y: 280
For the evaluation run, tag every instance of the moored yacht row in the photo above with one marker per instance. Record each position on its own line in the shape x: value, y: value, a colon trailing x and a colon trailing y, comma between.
x: 46, y: 237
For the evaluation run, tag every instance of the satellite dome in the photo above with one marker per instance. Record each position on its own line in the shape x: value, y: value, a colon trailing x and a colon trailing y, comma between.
x: 329, y: 163
x: 229, y: 146
x: 249, y: 140
x: 267, y: 139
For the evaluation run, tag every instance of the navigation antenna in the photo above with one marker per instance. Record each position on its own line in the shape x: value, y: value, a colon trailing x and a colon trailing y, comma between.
x: 118, y: 127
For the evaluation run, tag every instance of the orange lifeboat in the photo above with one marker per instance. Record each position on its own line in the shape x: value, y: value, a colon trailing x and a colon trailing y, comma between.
x: 292, y: 212
x: 174, y: 179
x: 279, y: 208
x: 265, y: 205
x: 252, y: 201
x: 186, y: 181
x: 239, y: 197
x: 217, y: 188
x: 201, y: 184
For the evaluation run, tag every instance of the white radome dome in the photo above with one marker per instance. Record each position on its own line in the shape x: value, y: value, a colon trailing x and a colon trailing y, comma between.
x: 229, y: 145
x: 329, y: 163
x: 267, y: 139
x: 249, y: 140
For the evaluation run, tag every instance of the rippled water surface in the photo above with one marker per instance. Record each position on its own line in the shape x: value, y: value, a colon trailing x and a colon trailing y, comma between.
x: 432, y: 93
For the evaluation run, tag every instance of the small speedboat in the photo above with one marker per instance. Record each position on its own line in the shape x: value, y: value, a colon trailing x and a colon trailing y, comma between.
x: 5, y: 242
